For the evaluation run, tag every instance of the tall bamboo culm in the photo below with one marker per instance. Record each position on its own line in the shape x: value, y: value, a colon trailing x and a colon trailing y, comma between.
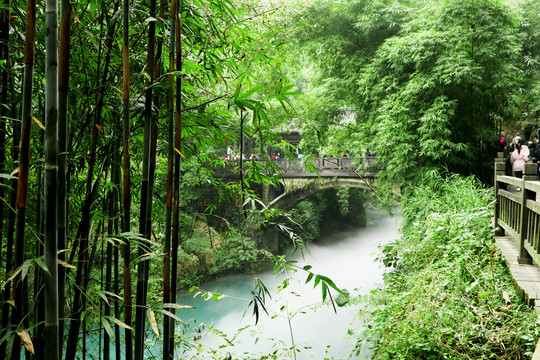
x: 177, y: 158
x: 63, y: 89
x: 168, y: 330
x: 126, y: 201
x: 145, y: 204
x: 24, y: 162
x: 50, y: 187
x: 4, y: 55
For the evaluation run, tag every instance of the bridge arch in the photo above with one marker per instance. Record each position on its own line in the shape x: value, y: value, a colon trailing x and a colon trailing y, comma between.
x: 290, y: 198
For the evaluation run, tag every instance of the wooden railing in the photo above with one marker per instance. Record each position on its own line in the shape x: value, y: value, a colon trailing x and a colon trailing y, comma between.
x: 517, y: 209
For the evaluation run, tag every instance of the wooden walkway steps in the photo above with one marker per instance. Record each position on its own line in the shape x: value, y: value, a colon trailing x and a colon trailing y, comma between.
x: 526, y: 277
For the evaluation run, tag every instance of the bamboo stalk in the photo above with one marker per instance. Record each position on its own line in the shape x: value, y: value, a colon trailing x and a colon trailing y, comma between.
x: 177, y: 175
x: 145, y: 204
x: 168, y: 331
x: 51, y: 168
x: 126, y: 216
x: 24, y: 166
x: 63, y: 89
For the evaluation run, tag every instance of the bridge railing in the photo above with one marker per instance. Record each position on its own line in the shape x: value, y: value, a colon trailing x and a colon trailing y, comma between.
x: 296, y: 166
x: 517, y: 209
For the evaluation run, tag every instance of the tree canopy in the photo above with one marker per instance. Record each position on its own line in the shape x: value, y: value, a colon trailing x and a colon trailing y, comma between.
x: 430, y: 82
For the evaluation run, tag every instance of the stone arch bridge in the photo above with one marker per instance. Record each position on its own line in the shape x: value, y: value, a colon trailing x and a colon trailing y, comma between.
x: 299, y: 180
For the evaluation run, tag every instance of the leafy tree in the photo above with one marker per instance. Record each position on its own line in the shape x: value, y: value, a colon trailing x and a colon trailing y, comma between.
x: 429, y: 81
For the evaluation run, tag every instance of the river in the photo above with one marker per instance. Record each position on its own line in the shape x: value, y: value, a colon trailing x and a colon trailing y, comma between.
x: 348, y: 258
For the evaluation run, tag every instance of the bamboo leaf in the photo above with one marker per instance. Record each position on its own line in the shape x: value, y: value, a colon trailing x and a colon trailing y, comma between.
x: 42, y: 265
x: 114, y: 240
x: 102, y: 295
x: 112, y: 295
x: 108, y: 328
x: 99, y: 129
x: 153, y: 322
x: 66, y: 264
x: 330, y: 283
x: 7, y: 176
x: 170, y: 314
x: 250, y: 92
x: 12, y: 277
x: 177, y: 306
x: 25, y: 338
x: 25, y: 266
x: 39, y: 123
x: 120, y: 323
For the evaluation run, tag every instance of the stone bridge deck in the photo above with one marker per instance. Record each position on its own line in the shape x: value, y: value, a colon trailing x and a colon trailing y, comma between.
x: 296, y: 168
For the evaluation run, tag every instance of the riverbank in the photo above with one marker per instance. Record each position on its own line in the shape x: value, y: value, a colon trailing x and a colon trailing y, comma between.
x: 444, y: 293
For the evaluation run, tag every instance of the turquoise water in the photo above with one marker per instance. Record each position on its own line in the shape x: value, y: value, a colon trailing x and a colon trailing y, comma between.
x: 348, y: 258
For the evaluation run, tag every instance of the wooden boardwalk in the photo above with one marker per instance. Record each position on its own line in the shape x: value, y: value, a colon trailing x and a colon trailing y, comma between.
x: 526, y: 277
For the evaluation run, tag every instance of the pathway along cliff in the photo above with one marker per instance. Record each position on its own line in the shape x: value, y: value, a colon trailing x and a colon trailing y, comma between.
x: 348, y: 258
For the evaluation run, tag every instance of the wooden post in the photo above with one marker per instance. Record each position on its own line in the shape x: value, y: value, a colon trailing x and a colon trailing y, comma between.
x: 499, y: 171
x: 529, y: 174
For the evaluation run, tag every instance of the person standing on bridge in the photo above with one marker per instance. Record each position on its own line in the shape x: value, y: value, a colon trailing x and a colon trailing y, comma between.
x: 519, y: 157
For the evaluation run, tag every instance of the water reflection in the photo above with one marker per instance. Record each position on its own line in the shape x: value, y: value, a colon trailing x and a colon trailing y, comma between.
x: 347, y: 258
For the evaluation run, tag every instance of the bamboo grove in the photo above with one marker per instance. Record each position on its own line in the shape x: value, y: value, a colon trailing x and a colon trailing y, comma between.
x: 103, y: 106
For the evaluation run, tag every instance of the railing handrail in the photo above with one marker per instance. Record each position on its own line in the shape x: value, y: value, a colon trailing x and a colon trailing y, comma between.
x: 288, y: 166
x: 517, y: 209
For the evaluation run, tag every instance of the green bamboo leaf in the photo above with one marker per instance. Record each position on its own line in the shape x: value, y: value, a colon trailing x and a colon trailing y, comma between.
x: 25, y: 266
x: 177, y: 306
x: 7, y: 176
x: 170, y: 314
x: 330, y: 283
x: 111, y: 294
x: 250, y: 92
x: 120, y: 323
x: 108, y: 328
x: 102, y: 295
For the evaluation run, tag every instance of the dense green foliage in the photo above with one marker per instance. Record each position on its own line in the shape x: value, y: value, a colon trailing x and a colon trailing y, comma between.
x: 443, y: 296
x: 426, y: 85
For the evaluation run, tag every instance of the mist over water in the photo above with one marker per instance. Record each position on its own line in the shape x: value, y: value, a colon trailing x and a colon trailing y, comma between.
x: 348, y: 258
